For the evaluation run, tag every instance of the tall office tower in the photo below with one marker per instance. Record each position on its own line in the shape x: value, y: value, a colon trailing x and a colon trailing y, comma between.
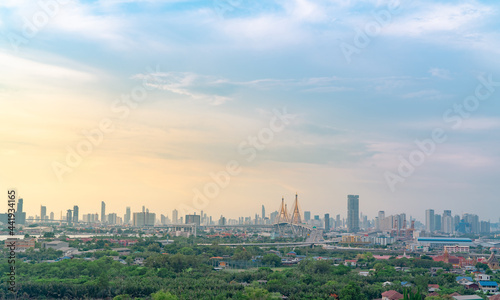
x: 307, y: 216
x: 437, y: 222
x: 447, y: 223
x: 126, y: 218
x: 103, y: 212
x: 69, y: 216
x: 175, y: 216
x: 112, y: 218
x: 327, y: 222
x: 143, y: 208
x: 473, y: 220
x: 429, y: 220
x: 353, y: 213
x: 447, y: 213
x: 43, y: 213
x: 75, y: 214
x: 338, y: 222
x: 484, y: 227
x: 52, y: 215
x: 263, y: 212
x: 20, y: 214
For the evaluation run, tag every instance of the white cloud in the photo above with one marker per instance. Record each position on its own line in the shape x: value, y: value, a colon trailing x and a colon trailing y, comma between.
x: 426, y: 95
x: 440, y: 73
x: 189, y: 84
x: 433, y: 18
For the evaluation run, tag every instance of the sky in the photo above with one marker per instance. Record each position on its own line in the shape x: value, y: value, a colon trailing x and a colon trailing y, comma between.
x: 227, y: 105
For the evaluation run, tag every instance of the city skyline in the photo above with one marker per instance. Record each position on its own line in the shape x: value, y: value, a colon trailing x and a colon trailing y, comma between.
x: 428, y: 221
x: 154, y: 101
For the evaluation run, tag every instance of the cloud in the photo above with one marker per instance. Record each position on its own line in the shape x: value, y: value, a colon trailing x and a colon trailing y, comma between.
x: 197, y: 87
x: 440, y: 73
x: 430, y: 94
x: 437, y: 17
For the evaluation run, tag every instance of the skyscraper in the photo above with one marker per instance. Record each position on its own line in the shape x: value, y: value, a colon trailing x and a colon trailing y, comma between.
x: 307, y: 216
x: 20, y: 214
x: 75, y: 214
x: 327, y: 222
x: 103, y: 212
x: 437, y: 222
x: 263, y: 212
x: 126, y: 219
x: 429, y: 220
x: 353, y: 213
x: 69, y: 215
x: 43, y: 213
x: 175, y: 216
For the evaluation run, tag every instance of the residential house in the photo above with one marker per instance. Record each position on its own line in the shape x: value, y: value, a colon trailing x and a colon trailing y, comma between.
x: 463, y: 280
x: 392, y: 295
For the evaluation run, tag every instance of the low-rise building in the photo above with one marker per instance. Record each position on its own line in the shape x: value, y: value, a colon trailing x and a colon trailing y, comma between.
x: 488, y: 286
x: 20, y: 244
x: 55, y: 245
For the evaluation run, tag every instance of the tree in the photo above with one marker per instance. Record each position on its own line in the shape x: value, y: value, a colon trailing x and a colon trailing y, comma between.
x: 162, y: 295
x: 272, y: 260
x: 351, y: 291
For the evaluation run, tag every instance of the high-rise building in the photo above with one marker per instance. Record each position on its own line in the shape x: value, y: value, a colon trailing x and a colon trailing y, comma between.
x: 144, y: 219
x: 75, y: 214
x: 484, y: 227
x: 263, y: 212
x: 327, y: 222
x: 69, y: 215
x: 126, y: 218
x: 429, y: 220
x: 103, y: 212
x: 338, y: 222
x: 20, y: 214
x: 175, y: 216
x: 353, y: 213
x: 448, y: 223
x: 307, y: 216
x: 112, y: 218
x: 52, y: 215
x: 473, y: 220
x: 193, y: 219
x: 43, y: 213
x: 437, y: 222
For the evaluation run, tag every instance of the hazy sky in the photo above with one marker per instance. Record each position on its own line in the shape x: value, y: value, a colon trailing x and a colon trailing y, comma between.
x: 176, y: 88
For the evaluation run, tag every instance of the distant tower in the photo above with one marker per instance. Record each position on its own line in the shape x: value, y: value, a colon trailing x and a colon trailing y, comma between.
x: 327, y: 222
x: 126, y: 219
x: 353, y: 213
x: 103, y: 212
x: 43, y: 213
x: 69, y: 217
x: 75, y: 214
x: 263, y: 212
x: 307, y: 216
x: 175, y: 216
x: 296, y: 219
x: 429, y: 220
